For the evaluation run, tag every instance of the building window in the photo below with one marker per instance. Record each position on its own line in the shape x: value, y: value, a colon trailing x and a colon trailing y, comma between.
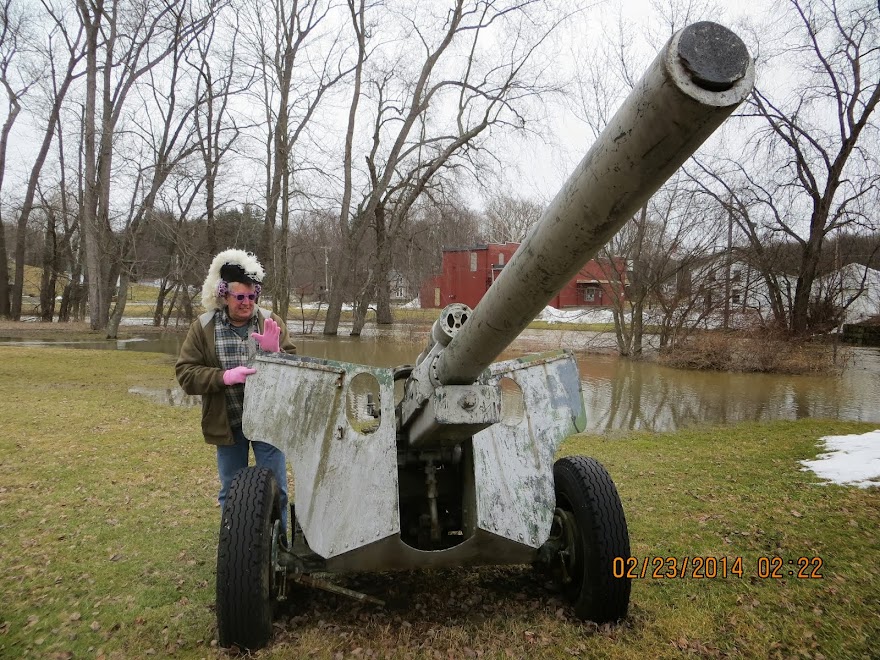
x: 588, y: 294
x: 735, y: 298
x: 473, y: 262
x: 500, y: 258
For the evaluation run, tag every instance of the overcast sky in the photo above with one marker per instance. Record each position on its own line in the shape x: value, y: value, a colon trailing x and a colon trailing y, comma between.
x: 538, y: 164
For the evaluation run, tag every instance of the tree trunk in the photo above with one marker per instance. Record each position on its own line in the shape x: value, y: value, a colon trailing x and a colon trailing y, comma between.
x: 12, y: 113
x: 4, y: 274
x: 187, y: 304
x: 804, y: 287
x: 71, y: 298
x: 383, y: 302
x: 159, y: 311
x: 82, y: 299
x: 91, y: 242
x: 109, y: 256
x: 49, y: 277
x: 340, y: 284
x: 121, y: 299
x: 624, y: 338
x: 638, y: 316
x: 362, y: 306
x: 281, y: 298
x: 64, y: 307
x: 163, y: 320
x: 383, y: 269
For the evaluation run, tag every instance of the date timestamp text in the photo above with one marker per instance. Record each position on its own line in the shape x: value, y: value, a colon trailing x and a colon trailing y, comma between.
x: 699, y: 568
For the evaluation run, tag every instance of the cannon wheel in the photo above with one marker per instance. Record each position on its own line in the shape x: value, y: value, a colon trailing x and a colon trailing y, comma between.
x: 591, y: 531
x: 246, y: 582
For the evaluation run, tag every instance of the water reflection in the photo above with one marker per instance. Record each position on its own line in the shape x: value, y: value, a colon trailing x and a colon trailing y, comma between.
x: 622, y: 395
x: 169, y: 344
x: 619, y: 395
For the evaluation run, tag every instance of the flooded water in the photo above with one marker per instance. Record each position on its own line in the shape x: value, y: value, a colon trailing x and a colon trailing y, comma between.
x: 622, y: 395
x: 619, y: 394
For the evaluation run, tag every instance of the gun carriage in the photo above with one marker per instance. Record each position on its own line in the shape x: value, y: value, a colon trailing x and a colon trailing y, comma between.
x: 458, y: 468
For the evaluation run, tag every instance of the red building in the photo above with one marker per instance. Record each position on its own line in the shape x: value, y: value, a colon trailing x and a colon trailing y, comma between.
x: 469, y: 272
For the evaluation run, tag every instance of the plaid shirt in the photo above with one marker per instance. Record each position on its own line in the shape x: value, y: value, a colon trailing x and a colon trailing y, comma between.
x: 233, y: 351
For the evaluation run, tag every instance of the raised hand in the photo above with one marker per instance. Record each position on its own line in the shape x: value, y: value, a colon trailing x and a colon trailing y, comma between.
x: 270, y: 339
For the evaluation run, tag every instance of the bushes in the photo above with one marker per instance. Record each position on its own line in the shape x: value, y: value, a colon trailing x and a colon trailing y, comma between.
x: 755, y: 351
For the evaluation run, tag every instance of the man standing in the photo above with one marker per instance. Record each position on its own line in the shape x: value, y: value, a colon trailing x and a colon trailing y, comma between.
x: 212, y: 363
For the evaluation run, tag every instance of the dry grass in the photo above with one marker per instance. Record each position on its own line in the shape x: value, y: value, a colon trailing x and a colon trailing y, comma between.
x: 759, y: 351
x: 108, y: 532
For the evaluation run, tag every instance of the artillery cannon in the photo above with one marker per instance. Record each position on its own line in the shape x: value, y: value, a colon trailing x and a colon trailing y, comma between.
x: 451, y: 471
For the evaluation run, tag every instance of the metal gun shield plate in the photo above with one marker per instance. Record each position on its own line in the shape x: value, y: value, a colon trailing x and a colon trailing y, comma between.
x: 345, y: 480
x: 513, y: 463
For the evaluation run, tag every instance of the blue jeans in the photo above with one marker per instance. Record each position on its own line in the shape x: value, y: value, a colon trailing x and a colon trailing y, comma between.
x: 232, y: 458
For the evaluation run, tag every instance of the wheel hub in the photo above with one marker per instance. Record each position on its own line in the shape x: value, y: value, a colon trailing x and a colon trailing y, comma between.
x: 562, y: 537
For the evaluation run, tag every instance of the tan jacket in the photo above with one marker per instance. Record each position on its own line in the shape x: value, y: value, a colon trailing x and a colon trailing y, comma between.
x: 199, y: 372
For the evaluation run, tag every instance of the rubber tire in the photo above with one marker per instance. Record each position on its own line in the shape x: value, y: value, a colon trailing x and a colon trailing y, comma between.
x: 245, y: 589
x: 585, y: 489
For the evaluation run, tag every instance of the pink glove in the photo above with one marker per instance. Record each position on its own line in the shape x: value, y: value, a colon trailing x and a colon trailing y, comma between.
x: 237, y: 375
x: 270, y: 340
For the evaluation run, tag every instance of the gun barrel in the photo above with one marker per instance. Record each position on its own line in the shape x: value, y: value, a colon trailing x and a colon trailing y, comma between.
x: 693, y: 85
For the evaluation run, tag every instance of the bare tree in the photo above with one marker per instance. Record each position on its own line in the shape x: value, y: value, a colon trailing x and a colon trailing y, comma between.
x: 215, y: 124
x: 67, y: 216
x: 671, y: 248
x: 13, y: 24
x: 51, y: 258
x: 686, y: 273
x: 313, y: 239
x: 59, y: 82
x: 131, y: 39
x: 434, y: 224
x: 286, y: 41
x: 509, y: 218
x: 178, y: 254
x: 745, y: 199
x: 429, y: 121
x: 814, y: 166
x: 167, y: 133
x: 350, y: 232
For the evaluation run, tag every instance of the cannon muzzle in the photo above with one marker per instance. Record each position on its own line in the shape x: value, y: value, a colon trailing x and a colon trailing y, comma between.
x: 696, y: 81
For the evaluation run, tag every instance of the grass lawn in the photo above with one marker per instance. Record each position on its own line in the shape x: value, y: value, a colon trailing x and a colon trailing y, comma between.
x: 108, y: 530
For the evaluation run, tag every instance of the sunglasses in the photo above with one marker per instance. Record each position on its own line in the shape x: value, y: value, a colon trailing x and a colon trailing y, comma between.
x: 241, y: 296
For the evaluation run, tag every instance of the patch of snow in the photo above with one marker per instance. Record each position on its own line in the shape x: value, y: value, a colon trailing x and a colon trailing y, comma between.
x: 852, y: 460
x: 412, y: 304
x: 553, y: 315
x: 316, y: 305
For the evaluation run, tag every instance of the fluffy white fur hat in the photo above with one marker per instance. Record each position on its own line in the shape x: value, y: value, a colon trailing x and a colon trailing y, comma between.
x: 248, y: 262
